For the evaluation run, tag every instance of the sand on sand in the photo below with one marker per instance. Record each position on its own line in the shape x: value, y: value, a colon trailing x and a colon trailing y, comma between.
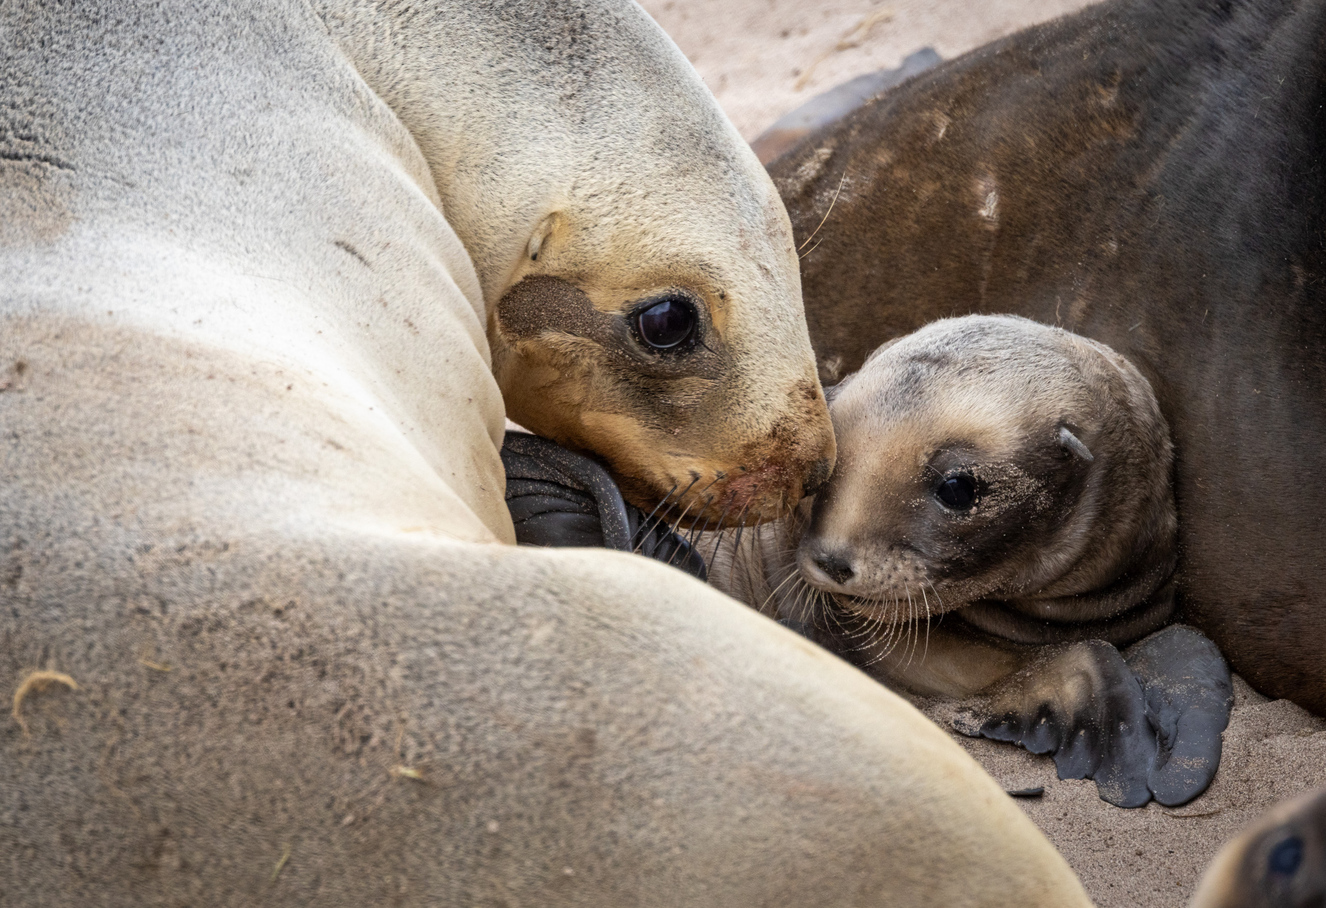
x: 763, y: 59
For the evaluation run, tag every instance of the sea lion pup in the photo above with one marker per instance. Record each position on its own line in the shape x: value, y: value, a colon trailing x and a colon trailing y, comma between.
x: 1145, y: 173
x: 256, y: 257
x: 1277, y: 862
x: 1002, y: 504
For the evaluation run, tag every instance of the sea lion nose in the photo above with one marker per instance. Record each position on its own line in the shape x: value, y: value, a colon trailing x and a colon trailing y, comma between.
x: 835, y: 566
x: 816, y: 476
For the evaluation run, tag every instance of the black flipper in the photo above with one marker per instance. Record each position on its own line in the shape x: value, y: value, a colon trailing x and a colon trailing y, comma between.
x: 1082, y: 704
x: 1189, y: 694
x: 560, y: 498
x: 1146, y: 726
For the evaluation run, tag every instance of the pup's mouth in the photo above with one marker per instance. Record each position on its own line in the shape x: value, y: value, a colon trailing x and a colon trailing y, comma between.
x: 890, y: 611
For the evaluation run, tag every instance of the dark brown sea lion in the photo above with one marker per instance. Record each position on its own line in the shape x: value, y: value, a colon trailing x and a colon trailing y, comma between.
x: 1147, y: 174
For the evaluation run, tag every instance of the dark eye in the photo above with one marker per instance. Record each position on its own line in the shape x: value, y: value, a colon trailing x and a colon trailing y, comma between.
x: 666, y: 324
x: 957, y: 492
x: 1285, y: 857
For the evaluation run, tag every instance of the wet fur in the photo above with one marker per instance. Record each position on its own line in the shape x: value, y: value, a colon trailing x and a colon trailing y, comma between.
x: 1057, y: 548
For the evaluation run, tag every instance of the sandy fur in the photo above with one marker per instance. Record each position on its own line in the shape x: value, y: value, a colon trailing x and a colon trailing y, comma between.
x: 256, y: 437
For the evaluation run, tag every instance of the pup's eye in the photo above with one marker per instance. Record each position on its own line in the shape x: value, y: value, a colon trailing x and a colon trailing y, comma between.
x: 667, y: 324
x: 957, y: 492
x: 1285, y: 858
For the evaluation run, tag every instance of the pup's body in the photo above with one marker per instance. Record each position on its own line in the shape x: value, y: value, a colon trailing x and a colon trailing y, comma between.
x: 1147, y: 174
x: 1003, y: 496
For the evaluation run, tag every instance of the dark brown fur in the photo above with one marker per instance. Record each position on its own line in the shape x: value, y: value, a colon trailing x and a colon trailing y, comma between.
x: 1159, y: 188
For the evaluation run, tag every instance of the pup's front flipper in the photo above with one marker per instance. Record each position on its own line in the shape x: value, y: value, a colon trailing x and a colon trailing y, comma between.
x: 1080, y: 703
x: 1148, y: 725
x: 1188, y: 694
x: 558, y: 497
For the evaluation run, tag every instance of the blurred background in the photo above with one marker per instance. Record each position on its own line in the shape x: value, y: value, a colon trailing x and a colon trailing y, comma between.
x: 764, y: 58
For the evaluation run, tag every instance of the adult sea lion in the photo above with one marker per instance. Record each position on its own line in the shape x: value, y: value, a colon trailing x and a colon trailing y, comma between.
x: 1277, y: 862
x: 263, y: 638
x: 1145, y: 174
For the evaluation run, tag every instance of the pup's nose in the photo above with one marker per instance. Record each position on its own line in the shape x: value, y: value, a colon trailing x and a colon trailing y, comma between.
x: 816, y: 476
x: 836, y: 567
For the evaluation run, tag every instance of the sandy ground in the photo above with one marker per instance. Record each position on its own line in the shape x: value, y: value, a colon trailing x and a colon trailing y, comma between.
x: 764, y: 58
x: 1152, y: 857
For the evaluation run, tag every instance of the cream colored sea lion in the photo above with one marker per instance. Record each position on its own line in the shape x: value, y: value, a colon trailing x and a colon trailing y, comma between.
x: 256, y: 258
x: 1277, y: 862
x: 1003, y: 504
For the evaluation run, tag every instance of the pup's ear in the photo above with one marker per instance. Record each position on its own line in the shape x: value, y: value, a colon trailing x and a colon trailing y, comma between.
x: 1071, y: 442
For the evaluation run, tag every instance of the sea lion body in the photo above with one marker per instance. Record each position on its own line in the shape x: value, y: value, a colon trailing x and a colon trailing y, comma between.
x: 1012, y: 474
x: 256, y: 259
x: 1144, y: 174
x: 1001, y: 518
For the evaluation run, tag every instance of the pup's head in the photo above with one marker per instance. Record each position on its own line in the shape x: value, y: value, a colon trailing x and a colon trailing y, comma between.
x: 991, y: 458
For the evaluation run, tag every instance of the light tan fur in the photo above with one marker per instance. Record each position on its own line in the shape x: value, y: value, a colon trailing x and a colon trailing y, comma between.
x: 249, y: 426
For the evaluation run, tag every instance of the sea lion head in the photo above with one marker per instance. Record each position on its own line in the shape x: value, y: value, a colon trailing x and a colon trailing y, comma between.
x: 654, y: 318
x: 994, y: 458
x: 1277, y: 862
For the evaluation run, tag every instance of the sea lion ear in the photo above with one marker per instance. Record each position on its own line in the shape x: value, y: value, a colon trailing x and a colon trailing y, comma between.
x: 1072, y: 443
x: 540, y: 235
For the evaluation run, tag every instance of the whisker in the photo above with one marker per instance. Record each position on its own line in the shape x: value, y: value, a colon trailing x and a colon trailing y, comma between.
x: 698, y: 495
x: 926, y: 599
x: 913, y: 632
x: 826, y: 213
x: 645, y: 528
x: 741, y: 525
x: 650, y: 528
x: 774, y: 592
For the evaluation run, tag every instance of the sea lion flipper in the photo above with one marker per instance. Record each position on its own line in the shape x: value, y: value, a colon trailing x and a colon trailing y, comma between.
x: 1188, y: 693
x: 1082, y: 704
x: 558, y: 497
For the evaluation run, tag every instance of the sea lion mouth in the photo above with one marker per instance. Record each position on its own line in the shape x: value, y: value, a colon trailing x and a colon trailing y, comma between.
x: 919, y: 604
x: 711, y: 500
x: 717, y: 501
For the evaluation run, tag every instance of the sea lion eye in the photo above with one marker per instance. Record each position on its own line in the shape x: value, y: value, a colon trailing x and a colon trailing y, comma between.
x: 667, y: 324
x: 957, y: 492
x: 1285, y: 858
